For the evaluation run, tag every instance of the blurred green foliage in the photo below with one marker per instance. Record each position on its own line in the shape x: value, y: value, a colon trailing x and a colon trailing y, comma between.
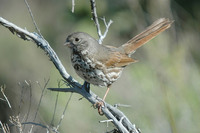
x: 163, y: 88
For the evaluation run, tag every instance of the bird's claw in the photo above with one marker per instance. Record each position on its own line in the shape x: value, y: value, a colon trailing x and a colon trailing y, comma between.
x: 86, y: 85
x: 99, y: 105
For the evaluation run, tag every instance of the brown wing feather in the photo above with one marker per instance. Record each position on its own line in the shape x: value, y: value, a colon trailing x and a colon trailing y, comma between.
x: 112, y: 57
x: 117, y: 59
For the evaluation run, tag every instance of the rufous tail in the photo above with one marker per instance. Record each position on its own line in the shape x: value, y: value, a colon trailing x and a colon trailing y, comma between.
x: 149, y: 33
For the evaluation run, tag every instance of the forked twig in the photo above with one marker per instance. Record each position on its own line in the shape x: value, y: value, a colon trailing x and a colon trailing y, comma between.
x: 96, y: 21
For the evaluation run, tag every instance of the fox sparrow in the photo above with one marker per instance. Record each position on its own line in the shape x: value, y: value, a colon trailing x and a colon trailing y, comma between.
x: 102, y: 65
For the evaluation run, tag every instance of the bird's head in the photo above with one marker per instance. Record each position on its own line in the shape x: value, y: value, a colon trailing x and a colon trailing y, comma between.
x: 79, y: 41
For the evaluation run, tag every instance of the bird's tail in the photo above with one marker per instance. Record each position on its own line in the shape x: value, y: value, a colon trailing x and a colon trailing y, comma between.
x: 149, y: 33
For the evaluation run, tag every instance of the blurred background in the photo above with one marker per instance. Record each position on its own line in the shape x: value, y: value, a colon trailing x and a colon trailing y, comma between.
x: 163, y: 88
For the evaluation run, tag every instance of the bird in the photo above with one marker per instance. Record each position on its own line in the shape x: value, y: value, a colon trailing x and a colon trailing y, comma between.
x: 102, y: 65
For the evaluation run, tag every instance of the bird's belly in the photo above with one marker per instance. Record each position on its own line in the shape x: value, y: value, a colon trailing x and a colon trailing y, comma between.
x: 89, y: 71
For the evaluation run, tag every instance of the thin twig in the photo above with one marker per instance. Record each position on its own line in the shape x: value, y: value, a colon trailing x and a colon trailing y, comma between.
x: 30, y: 100
x: 107, y: 25
x: 20, y: 103
x: 2, y: 127
x: 121, y: 105
x: 31, y: 14
x: 103, y: 121
x: 40, y: 97
x: 96, y: 21
x: 2, y: 91
x: 64, y: 111
x: 35, y: 124
x: 30, y: 97
x: 56, y: 102
x: 73, y: 5
x: 106, y: 121
x: 95, y: 17
x: 31, y: 129
x: 2, y: 99
x: 55, y: 107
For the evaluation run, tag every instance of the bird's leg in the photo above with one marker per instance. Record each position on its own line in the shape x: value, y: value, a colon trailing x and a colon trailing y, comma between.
x: 101, y: 103
x: 86, y: 85
x: 106, y: 93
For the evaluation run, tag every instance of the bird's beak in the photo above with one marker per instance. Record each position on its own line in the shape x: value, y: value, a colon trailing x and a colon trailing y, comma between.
x: 68, y: 44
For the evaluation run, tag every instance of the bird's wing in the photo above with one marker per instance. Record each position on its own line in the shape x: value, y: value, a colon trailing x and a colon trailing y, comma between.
x: 115, y: 59
x: 118, y: 59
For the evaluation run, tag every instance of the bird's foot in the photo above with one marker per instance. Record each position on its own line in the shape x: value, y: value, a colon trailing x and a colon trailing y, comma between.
x: 86, y: 85
x: 99, y: 106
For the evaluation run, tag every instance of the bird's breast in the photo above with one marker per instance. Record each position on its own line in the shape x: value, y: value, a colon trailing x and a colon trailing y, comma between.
x: 93, y: 71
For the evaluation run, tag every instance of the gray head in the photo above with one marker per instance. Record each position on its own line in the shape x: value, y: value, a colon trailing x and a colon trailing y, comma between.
x: 80, y: 41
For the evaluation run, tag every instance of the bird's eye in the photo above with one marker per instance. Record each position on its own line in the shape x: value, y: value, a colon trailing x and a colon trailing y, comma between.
x: 77, y: 39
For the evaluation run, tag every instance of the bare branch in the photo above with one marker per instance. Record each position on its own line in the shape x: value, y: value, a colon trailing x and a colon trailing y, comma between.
x: 123, y: 125
x: 95, y: 17
x: 110, y: 112
x: 43, y: 44
x: 96, y: 21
